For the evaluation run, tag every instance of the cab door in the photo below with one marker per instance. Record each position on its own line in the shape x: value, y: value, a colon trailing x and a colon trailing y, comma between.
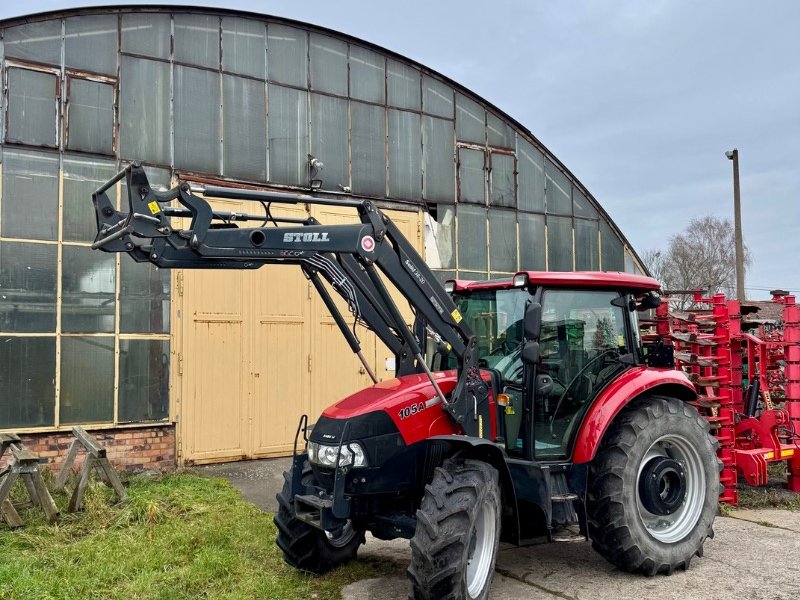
x: 583, y: 335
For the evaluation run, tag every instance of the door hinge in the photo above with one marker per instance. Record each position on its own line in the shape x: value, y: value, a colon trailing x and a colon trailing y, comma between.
x: 180, y: 364
x: 309, y: 363
x: 179, y: 282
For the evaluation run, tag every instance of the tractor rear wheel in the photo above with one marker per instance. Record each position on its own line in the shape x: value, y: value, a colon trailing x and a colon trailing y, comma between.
x: 654, y: 487
x: 306, y: 547
x: 454, y: 547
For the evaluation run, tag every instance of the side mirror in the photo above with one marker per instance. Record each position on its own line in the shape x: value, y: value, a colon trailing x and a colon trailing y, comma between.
x: 648, y: 301
x: 530, y: 352
x: 533, y: 321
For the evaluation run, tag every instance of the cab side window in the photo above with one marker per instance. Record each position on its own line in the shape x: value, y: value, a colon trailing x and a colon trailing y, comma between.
x: 582, y: 336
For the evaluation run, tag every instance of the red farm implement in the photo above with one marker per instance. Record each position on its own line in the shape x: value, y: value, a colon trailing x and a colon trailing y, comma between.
x: 748, y: 385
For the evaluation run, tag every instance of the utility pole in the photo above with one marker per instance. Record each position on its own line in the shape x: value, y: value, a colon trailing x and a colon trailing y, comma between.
x: 737, y: 224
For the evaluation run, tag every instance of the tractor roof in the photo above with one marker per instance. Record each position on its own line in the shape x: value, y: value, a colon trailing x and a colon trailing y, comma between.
x: 578, y: 279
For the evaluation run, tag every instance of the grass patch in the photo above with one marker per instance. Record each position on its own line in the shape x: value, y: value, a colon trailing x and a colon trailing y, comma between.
x: 178, y: 536
x: 772, y: 495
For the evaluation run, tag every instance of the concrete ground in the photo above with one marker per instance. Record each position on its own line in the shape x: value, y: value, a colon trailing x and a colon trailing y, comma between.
x: 755, y: 555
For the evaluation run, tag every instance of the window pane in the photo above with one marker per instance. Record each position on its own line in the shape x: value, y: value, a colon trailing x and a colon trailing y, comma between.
x: 244, y: 114
x: 442, y: 276
x: 159, y: 180
x: 144, y: 121
x: 503, y: 240
x: 244, y: 47
x: 472, y: 238
x: 143, y: 380
x: 197, y: 119
x: 473, y: 275
x: 144, y: 298
x: 288, y: 135
x: 91, y: 116
x: 502, y: 180
x: 402, y: 83
x: 329, y: 140
x: 286, y: 55
x: 31, y: 107
x: 405, y: 169
x: 470, y: 121
x: 581, y: 205
x: 369, y: 149
x: 532, y: 247
x: 87, y: 380
x: 83, y: 176
x: 613, y: 258
x: 30, y: 195
x: 559, y: 243
x: 36, y: 41
x: 328, y: 64
x: 558, y: 191
x: 440, y: 227
x: 438, y: 154
x: 91, y: 43
x: 501, y: 134
x: 531, y: 177
x: 471, y: 176
x: 197, y: 40
x: 27, y: 287
x: 27, y: 381
x: 147, y: 34
x: 437, y: 97
x: 88, y: 282
x: 367, y: 76
x: 586, y: 246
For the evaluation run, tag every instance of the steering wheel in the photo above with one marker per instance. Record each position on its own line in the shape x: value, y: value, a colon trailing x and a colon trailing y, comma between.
x: 576, y: 377
x: 503, y: 349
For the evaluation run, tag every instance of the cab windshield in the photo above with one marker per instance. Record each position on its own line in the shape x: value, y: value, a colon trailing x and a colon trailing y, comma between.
x: 496, y: 319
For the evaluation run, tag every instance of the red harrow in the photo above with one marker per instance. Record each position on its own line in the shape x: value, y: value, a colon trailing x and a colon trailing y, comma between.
x: 755, y: 424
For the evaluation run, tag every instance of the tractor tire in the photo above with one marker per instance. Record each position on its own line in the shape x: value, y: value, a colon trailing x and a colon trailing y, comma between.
x: 653, y: 487
x: 454, y: 548
x: 308, y: 548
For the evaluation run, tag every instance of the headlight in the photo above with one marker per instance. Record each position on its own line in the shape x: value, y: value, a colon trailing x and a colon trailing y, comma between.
x: 323, y: 455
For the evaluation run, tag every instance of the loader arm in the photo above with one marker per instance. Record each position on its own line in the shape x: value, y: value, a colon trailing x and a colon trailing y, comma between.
x: 352, y: 258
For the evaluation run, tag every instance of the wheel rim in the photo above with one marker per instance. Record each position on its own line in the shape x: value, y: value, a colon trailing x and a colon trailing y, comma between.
x: 341, y: 538
x: 479, y: 560
x: 671, y: 469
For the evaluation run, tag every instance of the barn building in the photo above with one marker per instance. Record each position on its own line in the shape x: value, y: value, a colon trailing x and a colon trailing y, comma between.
x: 188, y: 367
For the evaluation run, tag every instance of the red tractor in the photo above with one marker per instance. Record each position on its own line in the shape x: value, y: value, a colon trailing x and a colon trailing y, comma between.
x: 524, y: 410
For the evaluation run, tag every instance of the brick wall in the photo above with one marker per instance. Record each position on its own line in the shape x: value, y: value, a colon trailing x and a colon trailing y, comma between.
x: 137, y: 449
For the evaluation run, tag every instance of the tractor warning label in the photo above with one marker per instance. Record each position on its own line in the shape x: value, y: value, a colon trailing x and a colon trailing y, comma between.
x: 456, y: 316
x: 154, y: 207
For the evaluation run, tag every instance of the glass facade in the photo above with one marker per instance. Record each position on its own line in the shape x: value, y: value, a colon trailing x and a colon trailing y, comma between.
x: 87, y: 335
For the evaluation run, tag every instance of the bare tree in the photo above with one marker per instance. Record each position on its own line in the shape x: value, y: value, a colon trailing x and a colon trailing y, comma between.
x: 702, y: 256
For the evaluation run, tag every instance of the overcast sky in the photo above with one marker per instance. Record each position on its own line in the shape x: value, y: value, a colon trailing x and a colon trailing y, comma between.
x: 640, y: 99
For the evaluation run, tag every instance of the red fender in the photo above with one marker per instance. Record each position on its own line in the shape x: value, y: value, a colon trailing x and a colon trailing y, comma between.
x: 617, y: 395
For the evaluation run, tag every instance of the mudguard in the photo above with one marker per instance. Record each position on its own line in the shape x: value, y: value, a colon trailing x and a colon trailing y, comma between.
x: 487, y: 451
x: 628, y: 386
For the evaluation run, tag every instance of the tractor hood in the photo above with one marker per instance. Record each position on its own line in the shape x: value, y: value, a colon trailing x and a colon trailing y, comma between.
x: 409, y: 401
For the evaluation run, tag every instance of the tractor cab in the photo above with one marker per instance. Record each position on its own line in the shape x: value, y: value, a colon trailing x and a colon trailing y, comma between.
x: 552, y: 342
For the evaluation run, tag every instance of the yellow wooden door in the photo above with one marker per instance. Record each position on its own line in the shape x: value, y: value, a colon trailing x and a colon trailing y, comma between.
x: 259, y: 349
x: 279, y: 346
x: 215, y: 384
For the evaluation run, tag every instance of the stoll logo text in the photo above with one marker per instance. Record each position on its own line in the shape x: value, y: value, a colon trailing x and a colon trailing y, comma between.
x: 306, y: 237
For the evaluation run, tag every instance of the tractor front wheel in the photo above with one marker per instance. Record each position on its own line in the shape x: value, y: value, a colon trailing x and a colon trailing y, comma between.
x: 305, y: 547
x: 454, y: 547
x: 654, y: 487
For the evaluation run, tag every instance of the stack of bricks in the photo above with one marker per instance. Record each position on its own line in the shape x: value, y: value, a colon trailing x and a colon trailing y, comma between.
x: 134, y: 449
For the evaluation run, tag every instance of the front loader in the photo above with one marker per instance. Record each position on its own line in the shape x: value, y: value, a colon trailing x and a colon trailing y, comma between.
x: 523, y: 410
